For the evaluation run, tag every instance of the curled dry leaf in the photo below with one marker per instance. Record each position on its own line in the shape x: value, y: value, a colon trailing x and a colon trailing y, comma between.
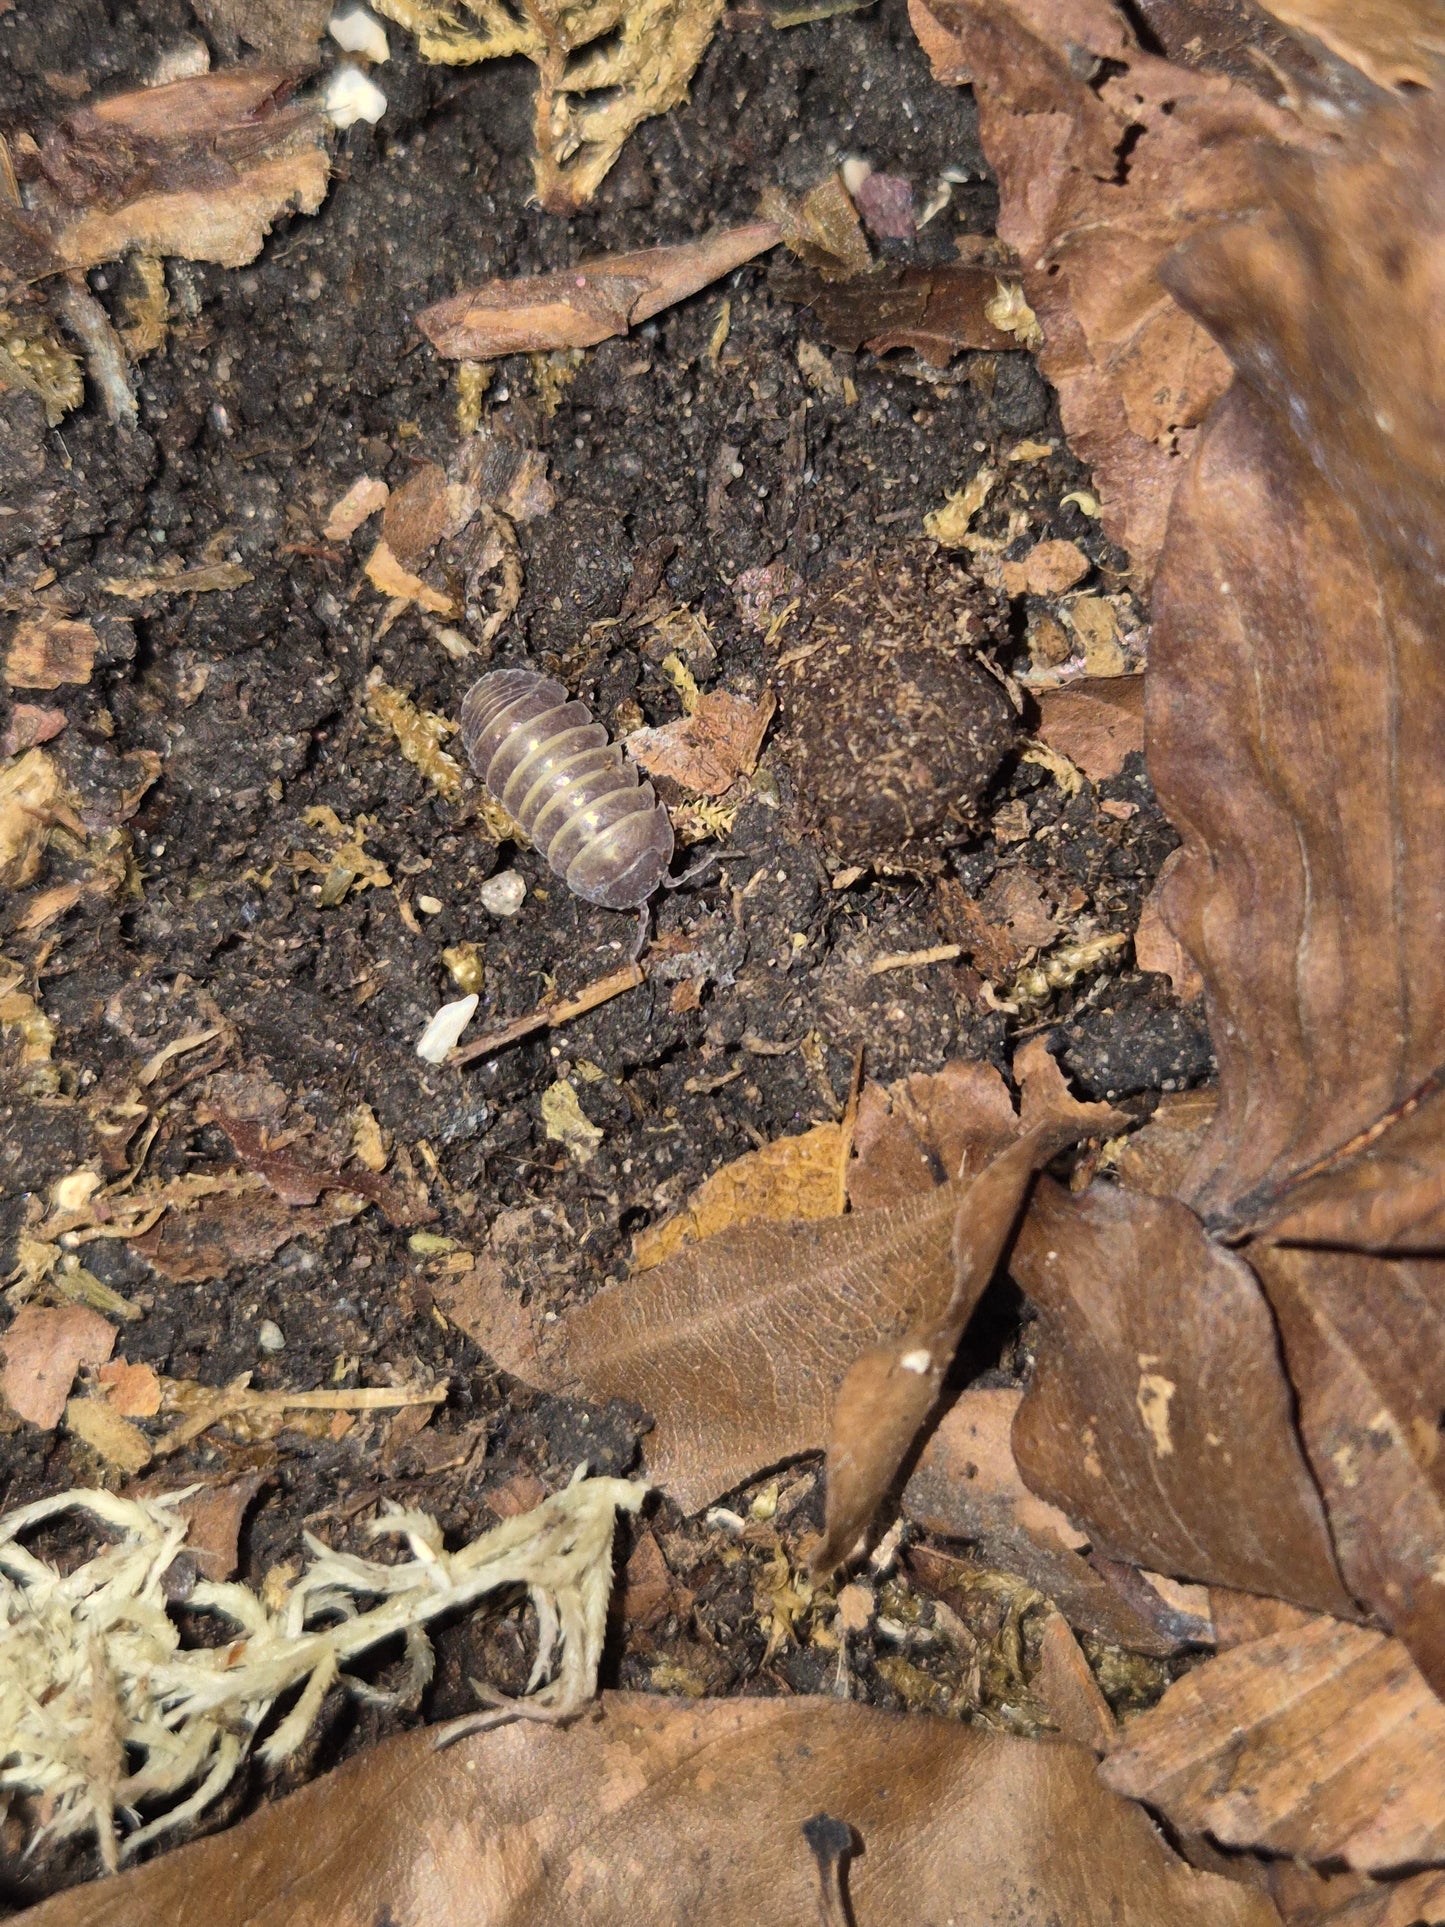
x: 200, y: 168
x: 578, y: 307
x: 1321, y: 1741
x: 1364, y: 1339
x: 1295, y: 705
x: 1159, y: 1416
x: 618, y: 1822
x: 1106, y: 157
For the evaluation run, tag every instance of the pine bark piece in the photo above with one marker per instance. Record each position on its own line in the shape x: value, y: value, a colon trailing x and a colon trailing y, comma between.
x: 658, y: 1811
x: 1294, y: 703
x: 1159, y: 1417
x: 1364, y: 1339
x: 580, y: 306
x: 1322, y: 1741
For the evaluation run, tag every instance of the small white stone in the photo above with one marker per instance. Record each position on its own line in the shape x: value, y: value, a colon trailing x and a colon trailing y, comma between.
x: 429, y: 906
x: 349, y: 97
x: 920, y: 1361
x: 503, y: 893
x: 360, y: 32
x: 445, y: 1028
x: 855, y: 170
x: 270, y: 1336
x: 184, y: 59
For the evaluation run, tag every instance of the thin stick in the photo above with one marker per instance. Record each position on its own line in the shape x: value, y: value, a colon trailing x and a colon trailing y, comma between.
x: 547, y: 1016
x: 906, y: 959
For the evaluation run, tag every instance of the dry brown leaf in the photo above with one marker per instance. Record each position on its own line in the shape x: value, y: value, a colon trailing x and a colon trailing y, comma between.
x: 297, y: 1179
x: 967, y: 1485
x: 1106, y: 157
x: 618, y: 1822
x: 47, y: 650
x: 938, y: 312
x: 1321, y: 1741
x: 1156, y: 948
x: 822, y: 228
x: 1068, y: 1691
x: 925, y: 1129
x: 1155, y: 1158
x: 987, y: 945
x: 1306, y: 1898
x: 891, y: 1388
x: 1364, y: 1339
x: 1159, y: 1417
x: 705, y: 752
x: 1096, y: 724
x: 429, y: 508
x: 793, y: 1178
x: 580, y: 306
x: 1295, y: 708
x: 1398, y: 43
x: 200, y: 168
x: 223, y: 1233
x: 214, y: 1516
x: 44, y: 1348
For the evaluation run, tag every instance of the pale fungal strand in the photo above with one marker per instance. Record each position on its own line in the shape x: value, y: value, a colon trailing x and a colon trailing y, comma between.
x: 552, y: 768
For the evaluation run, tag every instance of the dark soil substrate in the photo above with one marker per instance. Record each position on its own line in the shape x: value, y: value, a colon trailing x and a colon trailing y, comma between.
x: 277, y: 386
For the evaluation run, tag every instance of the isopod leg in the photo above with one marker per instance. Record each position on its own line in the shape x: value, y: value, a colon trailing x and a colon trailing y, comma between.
x: 644, y: 932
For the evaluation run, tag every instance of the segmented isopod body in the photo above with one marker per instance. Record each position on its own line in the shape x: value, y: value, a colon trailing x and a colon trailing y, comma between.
x: 546, y: 762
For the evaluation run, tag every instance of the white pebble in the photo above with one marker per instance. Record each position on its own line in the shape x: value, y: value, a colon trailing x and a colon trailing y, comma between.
x: 270, y: 1336
x: 350, y: 97
x: 503, y: 893
x: 429, y: 906
x: 360, y: 32
x: 445, y: 1028
x: 184, y: 59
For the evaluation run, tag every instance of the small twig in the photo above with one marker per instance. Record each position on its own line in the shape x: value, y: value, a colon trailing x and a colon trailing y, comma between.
x: 234, y: 1401
x: 557, y: 1011
x: 907, y: 959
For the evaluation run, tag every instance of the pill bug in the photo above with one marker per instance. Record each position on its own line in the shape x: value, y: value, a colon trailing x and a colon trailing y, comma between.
x: 547, y: 763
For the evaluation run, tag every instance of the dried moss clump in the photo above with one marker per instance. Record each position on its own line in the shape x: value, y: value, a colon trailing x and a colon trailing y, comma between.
x: 893, y: 727
x: 603, y: 67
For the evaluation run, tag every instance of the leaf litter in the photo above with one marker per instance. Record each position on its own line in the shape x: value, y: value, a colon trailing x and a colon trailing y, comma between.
x: 1306, y: 1373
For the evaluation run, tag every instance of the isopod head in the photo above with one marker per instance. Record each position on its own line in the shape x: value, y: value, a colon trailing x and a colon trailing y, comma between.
x: 544, y: 759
